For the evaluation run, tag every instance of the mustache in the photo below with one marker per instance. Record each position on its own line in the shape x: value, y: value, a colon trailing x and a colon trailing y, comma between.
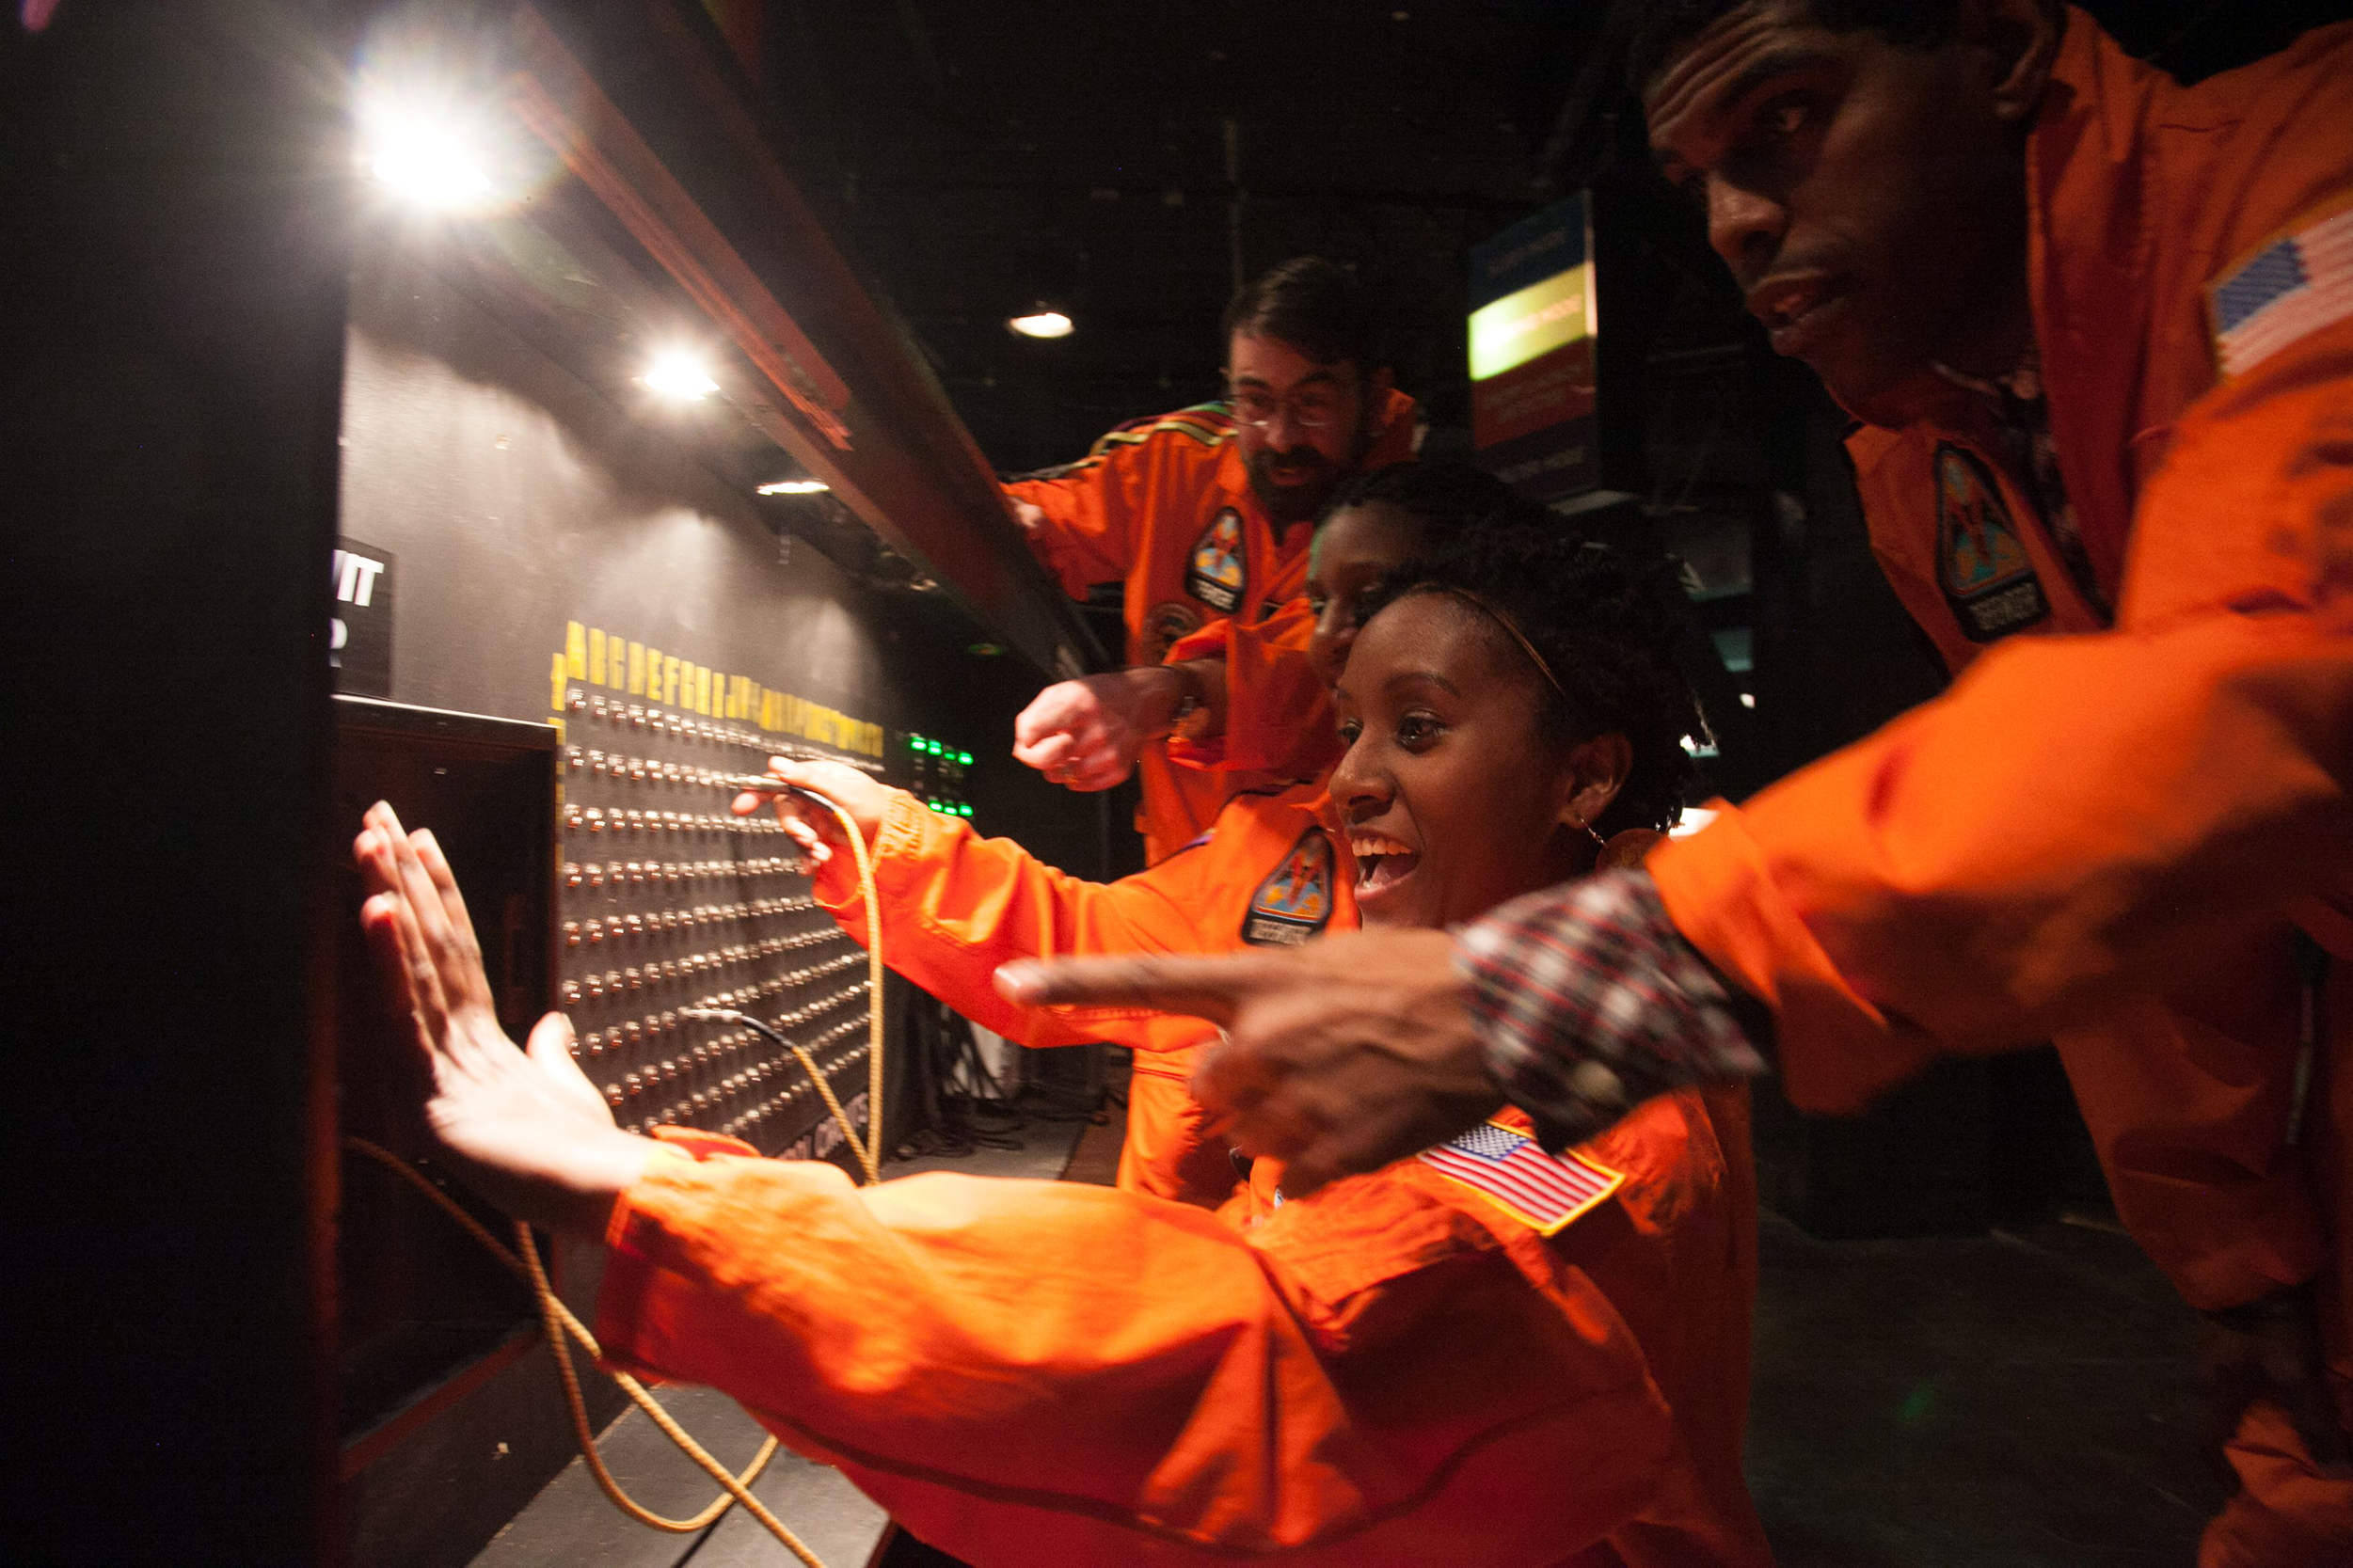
x: 1315, y: 464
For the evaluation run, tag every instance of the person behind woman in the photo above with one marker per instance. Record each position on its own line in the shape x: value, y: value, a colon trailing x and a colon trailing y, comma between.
x: 1481, y: 1354
x: 1378, y: 522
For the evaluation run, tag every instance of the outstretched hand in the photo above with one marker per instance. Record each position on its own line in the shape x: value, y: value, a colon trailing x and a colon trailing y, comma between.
x: 1340, y: 1057
x: 526, y: 1128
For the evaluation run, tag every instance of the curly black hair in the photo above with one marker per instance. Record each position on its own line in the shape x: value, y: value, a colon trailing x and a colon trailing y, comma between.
x: 1602, y: 624
x: 1442, y: 498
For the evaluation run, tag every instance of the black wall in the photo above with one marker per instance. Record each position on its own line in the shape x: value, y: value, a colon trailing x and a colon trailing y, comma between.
x: 172, y: 175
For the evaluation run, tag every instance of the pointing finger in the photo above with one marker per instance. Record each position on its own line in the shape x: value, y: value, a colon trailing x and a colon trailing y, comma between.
x: 1209, y: 987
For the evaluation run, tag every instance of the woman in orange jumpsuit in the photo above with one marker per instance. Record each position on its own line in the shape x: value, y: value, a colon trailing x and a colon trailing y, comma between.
x: 1479, y: 1354
x: 1287, y: 663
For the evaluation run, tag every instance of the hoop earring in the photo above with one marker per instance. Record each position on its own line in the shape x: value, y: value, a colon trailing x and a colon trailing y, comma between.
x: 1629, y: 847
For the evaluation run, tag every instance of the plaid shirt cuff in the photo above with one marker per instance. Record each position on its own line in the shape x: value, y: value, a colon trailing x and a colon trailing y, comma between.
x: 1591, y: 1003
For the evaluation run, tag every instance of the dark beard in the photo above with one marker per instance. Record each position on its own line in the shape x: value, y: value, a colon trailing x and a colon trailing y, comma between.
x: 1288, y: 505
x: 1302, y: 502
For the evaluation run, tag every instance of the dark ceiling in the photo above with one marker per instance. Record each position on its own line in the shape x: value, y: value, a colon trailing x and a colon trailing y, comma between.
x: 1120, y: 164
x: 1123, y: 162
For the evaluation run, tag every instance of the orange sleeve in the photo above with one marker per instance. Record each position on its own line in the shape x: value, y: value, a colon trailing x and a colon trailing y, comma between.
x: 2190, y: 1120
x: 1051, y: 1372
x: 961, y: 905
x: 1093, y: 515
x: 2079, y: 817
x: 1278, y: 717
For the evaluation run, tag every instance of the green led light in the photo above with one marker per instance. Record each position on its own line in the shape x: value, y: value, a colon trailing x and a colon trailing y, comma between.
x: 964, y: 758
x: 963, y: 810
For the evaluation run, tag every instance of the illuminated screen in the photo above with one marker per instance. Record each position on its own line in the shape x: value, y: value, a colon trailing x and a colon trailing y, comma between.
x: 1530, y: 321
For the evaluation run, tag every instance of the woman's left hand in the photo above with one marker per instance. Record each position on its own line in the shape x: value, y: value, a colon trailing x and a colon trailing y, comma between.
x: 526, y: 1128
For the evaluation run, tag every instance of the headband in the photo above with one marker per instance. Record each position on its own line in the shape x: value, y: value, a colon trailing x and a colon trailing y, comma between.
x: 1495, y: 612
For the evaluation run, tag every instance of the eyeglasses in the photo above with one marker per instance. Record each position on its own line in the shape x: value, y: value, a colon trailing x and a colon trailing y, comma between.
x: 1311, y: 408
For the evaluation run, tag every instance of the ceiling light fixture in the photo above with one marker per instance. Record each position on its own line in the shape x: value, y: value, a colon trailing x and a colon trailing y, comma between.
x: 417, y: 143
x: 680, y: 375
x: 796, y: 487
x: 1042, y: 323
x: 431, y: 169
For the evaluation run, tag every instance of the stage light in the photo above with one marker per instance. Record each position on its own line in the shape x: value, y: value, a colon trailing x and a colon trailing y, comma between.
x: 1042, y: 323
x: 680, y: 375
x: 422, y: 148
x: 796, y: 487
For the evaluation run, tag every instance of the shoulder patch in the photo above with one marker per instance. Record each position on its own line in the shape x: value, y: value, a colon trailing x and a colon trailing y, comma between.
x: 1163, y: 627
x: 1511, y: 1170
x: 1981, y: 563
x: 1295, y: 902
x: 1217, y: 573
x: 2287, y: 288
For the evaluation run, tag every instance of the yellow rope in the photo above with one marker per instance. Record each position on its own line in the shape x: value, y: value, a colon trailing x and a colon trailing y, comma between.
x: 872, y: 1155
x: 558, y: 1320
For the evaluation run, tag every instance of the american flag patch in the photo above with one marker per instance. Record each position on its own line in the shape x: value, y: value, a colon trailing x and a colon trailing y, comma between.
x: 1511, y: 1170
x: 2294, y: 286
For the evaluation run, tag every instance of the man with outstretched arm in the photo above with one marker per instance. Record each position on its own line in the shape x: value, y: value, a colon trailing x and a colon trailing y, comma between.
x: 2098, y: 329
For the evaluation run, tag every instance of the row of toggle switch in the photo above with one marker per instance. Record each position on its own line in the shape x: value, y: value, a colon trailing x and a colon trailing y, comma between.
x: 634, y: 769
x: 656, y: 1027
x: 592, y: 932
x: 640, y: 716
x: 598, y: 872
x: 752, y: 1099
x: 597, y: 819
x: 620, y: 982
x: 612, y: 710
x: 656, y: 921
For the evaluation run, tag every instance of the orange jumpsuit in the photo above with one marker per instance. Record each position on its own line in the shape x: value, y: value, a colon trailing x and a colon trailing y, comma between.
x: 1164, y: 507
x: 2101, y: 834
x: 1267, y: 874
x: 1279, y: 716
x: 1401, y: 1369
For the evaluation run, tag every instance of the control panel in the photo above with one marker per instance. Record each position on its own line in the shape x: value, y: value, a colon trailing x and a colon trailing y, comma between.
x: 670, y: 904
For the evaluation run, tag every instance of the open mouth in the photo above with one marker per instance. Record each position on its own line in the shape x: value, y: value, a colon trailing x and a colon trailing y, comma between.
x: 1382, y: 862
x: 1797, y: 314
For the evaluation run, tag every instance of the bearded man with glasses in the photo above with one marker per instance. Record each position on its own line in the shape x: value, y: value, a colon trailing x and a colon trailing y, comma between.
x: 1204, y: 516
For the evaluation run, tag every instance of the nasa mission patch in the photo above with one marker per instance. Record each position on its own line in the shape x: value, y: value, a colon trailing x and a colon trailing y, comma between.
x: 1981, y: 563
x: 1215, y: 572
x: 1295, y: 902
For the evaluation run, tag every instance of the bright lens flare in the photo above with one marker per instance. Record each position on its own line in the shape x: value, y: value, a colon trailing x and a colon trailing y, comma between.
x: 795, y: 487
x: 430, y: 167
x: 1041, y: 324
x: 679, y: 375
